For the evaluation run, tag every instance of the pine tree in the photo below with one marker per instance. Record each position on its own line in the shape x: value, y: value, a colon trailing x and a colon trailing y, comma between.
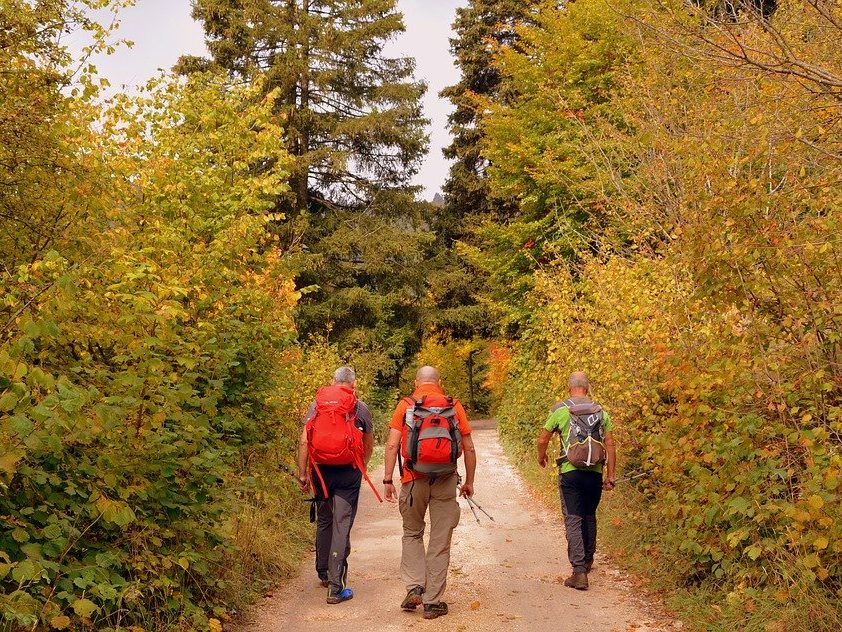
x: 353, y: 120
x: 481, y: 27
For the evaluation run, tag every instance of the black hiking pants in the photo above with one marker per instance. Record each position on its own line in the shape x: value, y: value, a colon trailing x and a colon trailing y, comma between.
x: 580, y: 491
x: 336, y: 515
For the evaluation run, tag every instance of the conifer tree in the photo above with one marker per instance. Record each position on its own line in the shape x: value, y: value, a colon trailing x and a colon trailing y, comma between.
x: 353, y: 120
x: 481, y: 27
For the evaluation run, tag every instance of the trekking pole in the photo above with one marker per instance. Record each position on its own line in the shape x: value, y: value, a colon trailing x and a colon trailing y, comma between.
x: 477, y: 505
x: 288, y: 470
x: 631, y: 477
x: 473, y: 511
x: 459, y: 488
x: 313, y: 501
x: 474, y: 505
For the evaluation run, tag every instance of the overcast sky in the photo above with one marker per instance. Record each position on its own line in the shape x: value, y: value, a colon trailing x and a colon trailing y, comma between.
x: 162, y: 30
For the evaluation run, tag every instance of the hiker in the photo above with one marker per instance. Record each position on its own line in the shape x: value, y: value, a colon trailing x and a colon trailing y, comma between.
x: 335, y: 447
x: 428, y: 432
x: 586, y: 444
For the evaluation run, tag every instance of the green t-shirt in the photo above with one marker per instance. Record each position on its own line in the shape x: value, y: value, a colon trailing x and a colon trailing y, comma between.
x: 559, y: 421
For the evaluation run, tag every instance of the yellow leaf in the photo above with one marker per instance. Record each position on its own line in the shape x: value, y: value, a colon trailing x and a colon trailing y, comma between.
x: 60, y: 622
x: 815, y: 502
x: 214, y: 625
x: 820, y: 543
x: 475, y: 605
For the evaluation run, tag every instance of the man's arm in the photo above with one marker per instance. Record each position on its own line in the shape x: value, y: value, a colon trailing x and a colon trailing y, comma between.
x: 366, y: 424
x: 608, y: 481
x: 368, y: 447
x: 303, y: 458
x: 392, y: 445
x: 470, y: 453
x: 543, y: 442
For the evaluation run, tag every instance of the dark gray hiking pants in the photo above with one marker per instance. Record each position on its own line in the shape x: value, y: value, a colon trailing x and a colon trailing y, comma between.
x: 580, y: 491
x: 335, y: 518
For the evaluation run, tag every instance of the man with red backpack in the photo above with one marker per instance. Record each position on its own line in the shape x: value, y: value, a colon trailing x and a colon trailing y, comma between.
x: 428, y: 432
x: 335, y: 447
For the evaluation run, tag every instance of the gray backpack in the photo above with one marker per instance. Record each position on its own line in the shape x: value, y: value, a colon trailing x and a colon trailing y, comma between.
x: 584, y: 445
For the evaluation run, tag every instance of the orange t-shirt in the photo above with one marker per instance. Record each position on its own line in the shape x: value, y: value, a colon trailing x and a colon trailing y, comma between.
x: 399, y: 419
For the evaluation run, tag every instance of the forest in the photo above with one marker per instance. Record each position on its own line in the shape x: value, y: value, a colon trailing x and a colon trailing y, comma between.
x: 646, y: 190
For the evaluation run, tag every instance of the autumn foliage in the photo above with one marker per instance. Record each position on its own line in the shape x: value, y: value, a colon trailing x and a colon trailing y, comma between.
x: 679, y: 172
x: 145, y: 331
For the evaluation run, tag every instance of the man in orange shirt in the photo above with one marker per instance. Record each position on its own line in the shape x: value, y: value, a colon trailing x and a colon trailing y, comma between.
x: 425, y: 572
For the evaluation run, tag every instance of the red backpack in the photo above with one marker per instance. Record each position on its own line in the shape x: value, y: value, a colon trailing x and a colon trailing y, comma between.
x: 431, y: 442
x: 332, y: 434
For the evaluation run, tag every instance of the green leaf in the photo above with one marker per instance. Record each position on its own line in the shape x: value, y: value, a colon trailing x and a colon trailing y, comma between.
x: 31, y: 329
x: 8, y: 401
x: 84, y: 607
x: 753, y: 552
x: 21, y: 425
x: 27, y: 570
x: 52, y: 531
x: 20, y: 535
x: 32, y: 550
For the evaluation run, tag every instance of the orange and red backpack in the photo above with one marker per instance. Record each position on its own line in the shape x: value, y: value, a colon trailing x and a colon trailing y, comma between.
x: 332, y: 434
x: 431, y: 442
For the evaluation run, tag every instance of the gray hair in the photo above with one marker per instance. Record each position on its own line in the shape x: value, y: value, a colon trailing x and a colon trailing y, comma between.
x: 427, y: 375
x: 344, y: 375
x: 578, y: 380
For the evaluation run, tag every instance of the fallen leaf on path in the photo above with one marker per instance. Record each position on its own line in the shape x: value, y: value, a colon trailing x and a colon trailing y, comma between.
x: 475, y: 605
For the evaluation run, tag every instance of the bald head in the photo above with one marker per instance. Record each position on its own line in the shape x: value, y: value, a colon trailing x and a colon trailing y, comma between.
x: 578, y: 383
x: 427, y: 375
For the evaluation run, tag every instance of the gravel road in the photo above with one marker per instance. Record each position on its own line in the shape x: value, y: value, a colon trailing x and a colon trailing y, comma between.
x: 504, y: 575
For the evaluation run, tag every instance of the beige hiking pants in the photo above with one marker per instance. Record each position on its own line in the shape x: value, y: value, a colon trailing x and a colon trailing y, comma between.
x: 428, y: 569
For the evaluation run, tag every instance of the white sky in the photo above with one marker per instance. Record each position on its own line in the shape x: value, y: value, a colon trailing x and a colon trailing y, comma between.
x: 162, y: 30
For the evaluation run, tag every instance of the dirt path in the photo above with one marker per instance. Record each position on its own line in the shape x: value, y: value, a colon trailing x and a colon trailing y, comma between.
x: 504, y: 575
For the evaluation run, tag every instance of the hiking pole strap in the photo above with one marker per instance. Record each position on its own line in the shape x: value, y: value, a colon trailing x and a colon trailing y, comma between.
x: 362, y: 469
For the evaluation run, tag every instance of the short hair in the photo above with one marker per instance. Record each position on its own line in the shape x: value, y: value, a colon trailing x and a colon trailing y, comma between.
x: 344, y: 375
x: 427, y: 375
x: 578, y: 380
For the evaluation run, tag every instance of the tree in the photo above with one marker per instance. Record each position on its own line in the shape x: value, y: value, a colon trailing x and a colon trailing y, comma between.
x: 482, y: 28
x: 353, y: 122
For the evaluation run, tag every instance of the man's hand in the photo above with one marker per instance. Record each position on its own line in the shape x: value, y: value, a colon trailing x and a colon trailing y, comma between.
x: 304, y: 484
x: 389, y: 492
x: 467, y: 490
x: 543, y: 442
x: 608, y: 484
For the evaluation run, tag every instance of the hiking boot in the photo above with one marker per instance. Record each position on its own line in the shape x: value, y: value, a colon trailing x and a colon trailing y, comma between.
x: 434, y: 610
x: 412, y: 599
x: 579, y: 581
x: 323, y: 580
x: 338, y: 597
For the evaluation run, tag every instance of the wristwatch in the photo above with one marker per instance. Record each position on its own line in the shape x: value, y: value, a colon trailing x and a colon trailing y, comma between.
x: 388, y: 482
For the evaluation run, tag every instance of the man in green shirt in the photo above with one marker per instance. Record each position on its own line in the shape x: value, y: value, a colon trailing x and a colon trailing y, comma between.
x: 587, y: 442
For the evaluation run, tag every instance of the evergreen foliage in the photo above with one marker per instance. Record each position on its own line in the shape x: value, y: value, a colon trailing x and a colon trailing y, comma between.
x: 353, y: 122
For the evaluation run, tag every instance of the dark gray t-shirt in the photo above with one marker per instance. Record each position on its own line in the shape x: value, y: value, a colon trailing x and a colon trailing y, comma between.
x: 364, y: 421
